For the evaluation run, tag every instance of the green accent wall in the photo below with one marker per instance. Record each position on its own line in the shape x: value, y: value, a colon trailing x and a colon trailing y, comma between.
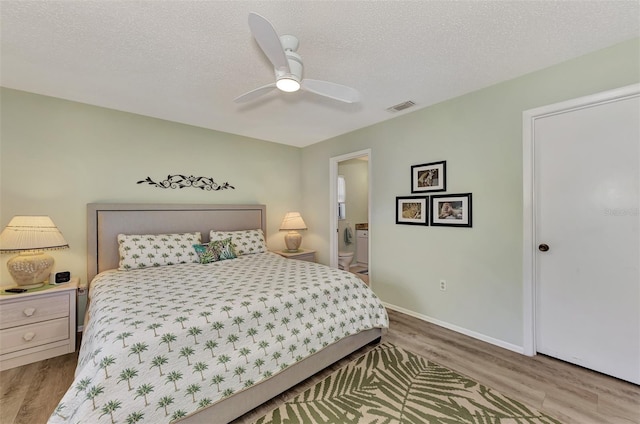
x: 56, y: 156
x: 480, y: 137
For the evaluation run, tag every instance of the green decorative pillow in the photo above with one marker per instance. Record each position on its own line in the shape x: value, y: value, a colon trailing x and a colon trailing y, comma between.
x: 149, y: 250
x: 205, y: 254
x: 244, y: 242
x: 223, y: 249
x: 217, y: 250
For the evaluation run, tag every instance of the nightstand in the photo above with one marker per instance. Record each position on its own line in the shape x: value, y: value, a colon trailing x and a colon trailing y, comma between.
x: 301, y: 255
x: 38, y: 324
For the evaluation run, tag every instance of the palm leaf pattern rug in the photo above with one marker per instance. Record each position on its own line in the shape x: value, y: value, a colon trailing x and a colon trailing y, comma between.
x: 392, y: 385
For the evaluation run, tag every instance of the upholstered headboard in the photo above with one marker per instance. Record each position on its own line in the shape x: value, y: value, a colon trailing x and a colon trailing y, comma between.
x: 106, y: 220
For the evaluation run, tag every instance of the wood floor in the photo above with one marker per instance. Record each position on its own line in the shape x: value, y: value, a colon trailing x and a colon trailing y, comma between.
x: 30, y: 393
x: 357, y: 270
x: 569, y: 393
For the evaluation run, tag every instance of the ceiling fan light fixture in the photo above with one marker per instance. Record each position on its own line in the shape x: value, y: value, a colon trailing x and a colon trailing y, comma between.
x: 287, y: 66
x: 288, y: 85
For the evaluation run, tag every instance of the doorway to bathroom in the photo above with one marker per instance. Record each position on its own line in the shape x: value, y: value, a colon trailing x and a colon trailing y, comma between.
x: 350, y: 201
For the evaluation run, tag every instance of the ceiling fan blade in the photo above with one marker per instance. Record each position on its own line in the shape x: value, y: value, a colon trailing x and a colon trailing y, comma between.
x: 332, y: 90
x: 269, y: 41
x: 254, y: 94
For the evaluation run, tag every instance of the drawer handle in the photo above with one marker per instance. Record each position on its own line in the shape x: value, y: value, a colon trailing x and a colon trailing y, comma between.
x: 28, y: 336
x: 29, y: 311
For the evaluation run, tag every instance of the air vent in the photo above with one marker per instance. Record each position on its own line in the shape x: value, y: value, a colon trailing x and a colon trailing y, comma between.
x: 401, y: 106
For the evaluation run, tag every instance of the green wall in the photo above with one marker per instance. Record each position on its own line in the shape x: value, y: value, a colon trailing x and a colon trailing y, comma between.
x: 480, y: 137
x: 56, y: 156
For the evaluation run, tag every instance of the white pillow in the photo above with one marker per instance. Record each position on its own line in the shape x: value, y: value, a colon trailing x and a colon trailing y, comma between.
x: 146, y: 250
x: 245, y: 242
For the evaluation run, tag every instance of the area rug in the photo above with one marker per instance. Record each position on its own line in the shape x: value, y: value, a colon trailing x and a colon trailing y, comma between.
x: 392, y: 385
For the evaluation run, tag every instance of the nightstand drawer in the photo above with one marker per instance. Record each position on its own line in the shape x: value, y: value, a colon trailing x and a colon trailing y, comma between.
x: 28, y: 336
x: 309, y: 257
x: 31, y: 310
x: 301, y: 255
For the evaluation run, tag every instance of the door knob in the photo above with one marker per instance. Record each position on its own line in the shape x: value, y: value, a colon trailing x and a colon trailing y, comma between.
x: 543, y: 247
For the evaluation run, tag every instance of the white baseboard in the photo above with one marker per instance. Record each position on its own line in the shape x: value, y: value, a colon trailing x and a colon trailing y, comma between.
x: 465, y: 331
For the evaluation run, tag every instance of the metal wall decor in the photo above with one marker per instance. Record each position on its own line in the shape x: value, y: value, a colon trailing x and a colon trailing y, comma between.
x: 182, y: 181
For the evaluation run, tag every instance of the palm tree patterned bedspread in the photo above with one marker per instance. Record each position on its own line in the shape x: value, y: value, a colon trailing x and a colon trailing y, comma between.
x: 164, y: 342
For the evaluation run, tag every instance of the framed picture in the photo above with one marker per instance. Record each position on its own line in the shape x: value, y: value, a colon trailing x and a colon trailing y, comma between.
x: 412, y: 210
x: 452, y: 210
x: 429, y: 177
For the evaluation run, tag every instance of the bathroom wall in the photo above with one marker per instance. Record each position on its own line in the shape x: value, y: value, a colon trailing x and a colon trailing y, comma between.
x: 355, y: 172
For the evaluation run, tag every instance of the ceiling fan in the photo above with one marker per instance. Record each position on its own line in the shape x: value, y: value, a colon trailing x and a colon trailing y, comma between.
x: 281, y: 51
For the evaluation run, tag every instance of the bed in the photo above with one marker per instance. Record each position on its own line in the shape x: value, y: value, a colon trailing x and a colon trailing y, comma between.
x: 204, y: 342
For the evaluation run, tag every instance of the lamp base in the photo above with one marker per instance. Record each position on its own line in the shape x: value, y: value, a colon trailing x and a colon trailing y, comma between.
x: 293, y: 240
x: 30, y: 269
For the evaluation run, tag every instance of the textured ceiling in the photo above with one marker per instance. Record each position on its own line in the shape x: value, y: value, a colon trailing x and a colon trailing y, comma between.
x: 185, y: 61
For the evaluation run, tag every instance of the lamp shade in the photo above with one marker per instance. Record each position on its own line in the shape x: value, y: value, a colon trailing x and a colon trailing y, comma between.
x: 31, y: 233
x: 293, y: 221
x: 29, y: 236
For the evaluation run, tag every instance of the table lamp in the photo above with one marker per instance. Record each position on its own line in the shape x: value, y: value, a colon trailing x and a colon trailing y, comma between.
x: 293, y: 221
x: 30, y: 236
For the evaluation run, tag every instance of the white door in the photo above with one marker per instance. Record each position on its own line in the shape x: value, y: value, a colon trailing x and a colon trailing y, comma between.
x: 587, y: 213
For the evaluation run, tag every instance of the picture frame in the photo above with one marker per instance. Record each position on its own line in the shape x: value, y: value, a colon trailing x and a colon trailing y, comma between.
x: 429, y: 177
x: 451, y: 210
x: 412, y: 210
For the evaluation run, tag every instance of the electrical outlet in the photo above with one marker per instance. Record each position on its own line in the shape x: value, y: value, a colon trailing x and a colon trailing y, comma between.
x: 443, y: 285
